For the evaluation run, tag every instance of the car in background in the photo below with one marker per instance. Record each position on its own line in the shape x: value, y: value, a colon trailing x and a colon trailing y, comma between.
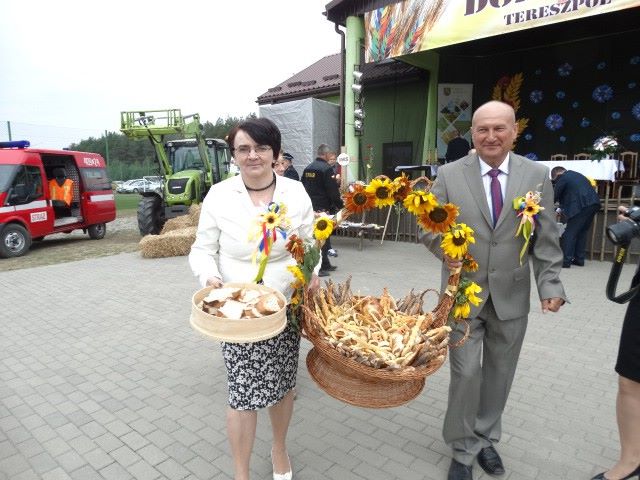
x: 139, y: 185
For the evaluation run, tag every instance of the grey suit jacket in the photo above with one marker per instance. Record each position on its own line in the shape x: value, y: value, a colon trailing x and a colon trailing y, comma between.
x: 497, y: 251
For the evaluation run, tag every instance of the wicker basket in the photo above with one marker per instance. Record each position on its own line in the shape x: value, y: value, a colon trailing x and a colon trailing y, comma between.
x: 244, y: 330
x: 348, y: 387
x: 352, y: 382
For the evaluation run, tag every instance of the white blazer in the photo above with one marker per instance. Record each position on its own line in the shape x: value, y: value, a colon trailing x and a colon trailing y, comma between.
x: 222, y: 247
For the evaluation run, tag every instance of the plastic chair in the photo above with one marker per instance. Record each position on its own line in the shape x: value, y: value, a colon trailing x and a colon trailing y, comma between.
x: 582, y: 156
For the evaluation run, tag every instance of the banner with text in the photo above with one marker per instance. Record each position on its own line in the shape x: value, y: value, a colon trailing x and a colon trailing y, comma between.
x: 412, y: 26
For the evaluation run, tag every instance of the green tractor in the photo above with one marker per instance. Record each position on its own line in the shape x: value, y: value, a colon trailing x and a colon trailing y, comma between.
x: 189, y: 165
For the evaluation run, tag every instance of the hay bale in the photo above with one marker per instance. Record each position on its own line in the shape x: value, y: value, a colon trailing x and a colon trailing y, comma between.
x: 190, y: 219
x: 176, y: 223
x: 194, y: 214
x: 174, y: 243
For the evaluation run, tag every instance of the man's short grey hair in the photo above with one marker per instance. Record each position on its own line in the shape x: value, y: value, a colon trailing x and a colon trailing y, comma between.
x: 323, y: 149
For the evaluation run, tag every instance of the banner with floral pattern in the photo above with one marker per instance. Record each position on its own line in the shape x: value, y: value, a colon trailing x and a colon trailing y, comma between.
x: 412, y: 26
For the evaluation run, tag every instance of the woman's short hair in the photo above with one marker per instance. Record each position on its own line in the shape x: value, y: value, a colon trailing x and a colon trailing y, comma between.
x: 262, y: 130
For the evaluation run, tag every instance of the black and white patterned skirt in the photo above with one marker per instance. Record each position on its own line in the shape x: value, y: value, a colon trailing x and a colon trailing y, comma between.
x: 260, y: 374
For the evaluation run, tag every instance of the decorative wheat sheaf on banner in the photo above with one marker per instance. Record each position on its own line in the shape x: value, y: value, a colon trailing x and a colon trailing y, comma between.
x: 398, y: 29
x: 507, y: 90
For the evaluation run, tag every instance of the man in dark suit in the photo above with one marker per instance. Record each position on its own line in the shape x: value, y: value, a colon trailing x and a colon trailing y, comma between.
x: 457, y: 147
x: 289, y: 172
x: 579, y: 203
x: 483, y: 367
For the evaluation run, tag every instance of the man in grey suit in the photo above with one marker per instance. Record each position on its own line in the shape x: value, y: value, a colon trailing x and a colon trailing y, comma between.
x: 482, y: 369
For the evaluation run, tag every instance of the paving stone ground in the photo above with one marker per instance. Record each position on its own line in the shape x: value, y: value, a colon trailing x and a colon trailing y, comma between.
x: 101, y: 377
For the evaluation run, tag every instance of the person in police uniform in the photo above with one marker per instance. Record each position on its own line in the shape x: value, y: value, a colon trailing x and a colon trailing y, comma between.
x: 322, y: 188
x: 290, y: 171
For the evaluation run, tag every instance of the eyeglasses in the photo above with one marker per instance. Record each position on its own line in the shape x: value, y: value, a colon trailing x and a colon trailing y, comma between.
x: 245, y: 150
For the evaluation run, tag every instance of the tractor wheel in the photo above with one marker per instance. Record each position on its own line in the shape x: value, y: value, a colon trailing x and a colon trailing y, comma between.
x: 97, y: 231
x: 150, y: 215
x: 14, y: 241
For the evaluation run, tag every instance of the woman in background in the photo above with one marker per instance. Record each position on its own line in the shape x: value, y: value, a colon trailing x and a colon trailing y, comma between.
x: 628, y: 401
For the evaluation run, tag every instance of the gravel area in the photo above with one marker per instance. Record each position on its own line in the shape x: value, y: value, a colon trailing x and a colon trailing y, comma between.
x: 122, y: 236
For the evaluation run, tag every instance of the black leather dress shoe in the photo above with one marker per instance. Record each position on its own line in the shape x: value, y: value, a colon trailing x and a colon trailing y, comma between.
x: 330, y: 268
x: 577, y: 263
x: 490, y: 461
x: 459, y: 471
x: 636, y: 472
x: 323, y: 273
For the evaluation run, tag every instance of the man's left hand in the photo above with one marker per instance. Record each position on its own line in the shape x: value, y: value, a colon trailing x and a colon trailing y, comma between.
x: 551, y: 304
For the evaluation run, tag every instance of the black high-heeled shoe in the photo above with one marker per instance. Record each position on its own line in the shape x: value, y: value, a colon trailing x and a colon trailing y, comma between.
x: 635, y: 473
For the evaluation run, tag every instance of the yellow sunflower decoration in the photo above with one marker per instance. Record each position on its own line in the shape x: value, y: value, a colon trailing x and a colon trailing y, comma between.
x: 470, y: 293
x: 322, y: 228
x: 465, y: 297
x: 383, y: 191
x: 455, y: 242
x: 402, y: 187
x: 297, y: 274
x: 358, y: 200
x: 439, y: 219
x: 462, y: 311
x: 432, y: 216
x: 420, y: 202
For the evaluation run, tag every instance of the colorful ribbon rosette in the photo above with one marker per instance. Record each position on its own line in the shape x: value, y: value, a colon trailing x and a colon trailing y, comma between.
x: 268, y: 225
x: 528, y: 208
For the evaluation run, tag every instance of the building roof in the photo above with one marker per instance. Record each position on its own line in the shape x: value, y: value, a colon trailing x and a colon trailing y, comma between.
x: 324, y: 78
x: 318, y: 78
x: 337, y: 11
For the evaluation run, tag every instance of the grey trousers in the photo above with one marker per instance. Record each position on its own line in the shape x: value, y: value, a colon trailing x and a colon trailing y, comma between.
x: 482, y: 372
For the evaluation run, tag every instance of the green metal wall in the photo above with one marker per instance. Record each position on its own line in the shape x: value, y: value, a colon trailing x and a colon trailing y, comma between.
x: 394, y: 113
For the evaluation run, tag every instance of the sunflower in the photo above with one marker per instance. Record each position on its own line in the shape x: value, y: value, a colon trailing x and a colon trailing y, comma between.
x: 456, y: 241
x: 295, y: 246
x: 297, y: 273
x: 359, y: 199
x: 275, y: 217
x: 439, y: 219
x: 469, y: 263
x: 462, y: 311
x: 531, y: 209
x: 322, y: 228
x: 470, y: 293
x: 383, y: 191
x: 403, y: 187
x: 420, y: 202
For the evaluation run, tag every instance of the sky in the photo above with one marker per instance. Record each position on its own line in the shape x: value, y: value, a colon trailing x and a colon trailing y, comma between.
x: 69, y: 67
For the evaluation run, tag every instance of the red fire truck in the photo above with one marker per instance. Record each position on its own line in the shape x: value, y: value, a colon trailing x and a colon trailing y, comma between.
x: 28, y: 211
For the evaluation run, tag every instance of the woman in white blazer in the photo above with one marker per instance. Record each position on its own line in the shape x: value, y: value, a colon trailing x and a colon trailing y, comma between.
x: 260, y: 374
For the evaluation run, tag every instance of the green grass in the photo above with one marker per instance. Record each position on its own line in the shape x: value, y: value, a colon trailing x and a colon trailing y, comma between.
x: 127, y: 202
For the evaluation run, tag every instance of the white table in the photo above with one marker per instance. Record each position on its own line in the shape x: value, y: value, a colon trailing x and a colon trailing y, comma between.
x: 598, y: 170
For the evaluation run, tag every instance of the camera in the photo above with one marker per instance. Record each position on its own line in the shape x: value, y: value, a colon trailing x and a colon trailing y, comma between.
x: 622, y: 233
